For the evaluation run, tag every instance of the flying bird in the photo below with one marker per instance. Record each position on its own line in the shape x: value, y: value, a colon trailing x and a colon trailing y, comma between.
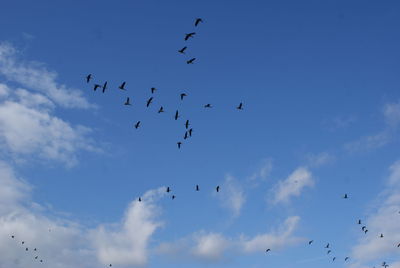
x: 96, y: 86
x: 191, y: 61
x: 345, y: 259
x: 173, y: 197
x: 186, y: 135
x: 140, y: 199
x: 88, y: 77
x: 23, y: 242
x: 12, y: 236
x: 363, y: 228
x: 268, y: 249
x: 137, y: 124
x: 198, y: 20
x: 217, y: 188
x: 359, y: 221
x: 381, y: 236
x: 149, y: 101
x: 310, y: 242
x: 176, y: 115
x: 153, y: 89
x: 366, y: 231
x: 187, y: 124
x: 398, y: 245
x: 122, y: 86
x: 345, y: 196
x: 327, y: 246
x: 182, y: 50
x: 329, y: 251
x: 179, y: 144
x: 104, y: 86
x: 240, y: 107
x: 183, y: 95
x: 334, y: 258
x: 127, y: 102
x: 161, y: 110
x: 168, y: 190
x: 26, y: 249
x: 198, y: 189
x: 207, y: 105
x: 189, y: 35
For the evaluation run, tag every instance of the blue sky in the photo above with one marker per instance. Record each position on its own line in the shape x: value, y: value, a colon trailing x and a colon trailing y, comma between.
x: 320, y: 88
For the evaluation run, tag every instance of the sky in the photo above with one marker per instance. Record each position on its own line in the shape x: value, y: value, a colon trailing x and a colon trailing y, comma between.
x: 321, y: 118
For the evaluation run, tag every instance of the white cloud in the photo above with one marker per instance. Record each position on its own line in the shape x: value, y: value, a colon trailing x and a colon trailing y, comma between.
x: 384, y: 220
x: 35, y: 76
x: 232, y: 196
x: 292, y: 186
x: 317, y: 160
x: 391, y: 112
x: 263, y: 171
x: 4, y: 90
x: 210, y: 246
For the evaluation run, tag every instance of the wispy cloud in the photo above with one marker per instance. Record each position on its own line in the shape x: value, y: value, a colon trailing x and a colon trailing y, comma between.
x: 232, y: 195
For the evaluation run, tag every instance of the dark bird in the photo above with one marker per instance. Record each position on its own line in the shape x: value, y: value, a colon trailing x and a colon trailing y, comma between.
x: 176, y: 115
x: 168, y: 190
x: 198, y: 20
x: 23, y: 242
x: 96, y: 86
x: 161, y: 110
x: 381, y: 236
x: 140, y: 199
x: 173, y: 197
x: 127, y: 102
x: 207, y: 105
x: 240, y: 107
x: 398, y: 245
x: 182, y: 50
x: 12, y: 236
x: 334, y: 258
x: 189, y: 35
x: 327, y: 246
x: 183, y: 95
x: 110, y: 265
x: 366, y: 231
x: 186, y: 135
x: 191, y: 61
x: 88, y: 77
x: 149, y: 101
x: 41, y: 260
x: 137, y: 124
x: 26, y: 249
x: 122, y: 86
x: 187, y: 124
x: 153, y: 89
x: 34, y: 249
x: 345, y: 259
x: 217, y: 188
x: 179, y: 144
x: 329, y: 251
x: 359, y: 221
x: 104, y: 86
x: 198, y: 189
x: 363, y: 228
x: 268, y: 249
x: 345, y: 196
x: 310, y: 242
x: 190, y: 132
x: 36, y: 257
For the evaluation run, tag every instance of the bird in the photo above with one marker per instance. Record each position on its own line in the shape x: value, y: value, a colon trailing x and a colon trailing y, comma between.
x: 207, y: 105
x: 240, y: 107
x: 191, y: 61
x: 41, y: 260
x: 381, y: 236
x: 34, y: 249
x: 122, y: 86
x: 23, y: 242
x: 161, y: 110
x: 398, y: 245
x: 110, y: 265
x: 345, y: 259
x: 268, y: 249
x: 168, y: 190
x: 96, y: 86
x: 366, y: 231
x: 127, y: 102
x: 334, y: 258
x: 198, y: 189
x: 183, y: 95
x: 190, y: 132
x: 140, y: 199
x: 327, y: 246
x: 310, y: 242
x: 104, y: 86
x: 189, y: 35
x: 173, y: 197
x: 198, y: 20
x: 137, y: 124
x: 176, y: 115
x: 187, y: 124
x: 345, y: 196
x: 36, y: 257
x: 363, y: 228
x: 359, y: 221
x: 153, y: 89
x: 179, y: 144
x: 186, y: 135
x: 12, y: 236
x: 329, y: 251
x: 88, y: 77
x: 182, y: 50
x: 149, y: 101
x: 26, y: 249
x: 217, y: 188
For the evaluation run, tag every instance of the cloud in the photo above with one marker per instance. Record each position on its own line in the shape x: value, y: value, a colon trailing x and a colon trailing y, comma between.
x: 391, y: 112
x: 383, y: 220
x: 232, y: 196
x: 210, y: 246
x: 292, y: 185
x: 317, y: 160
x: 263, y: 171
x: 35, y: 76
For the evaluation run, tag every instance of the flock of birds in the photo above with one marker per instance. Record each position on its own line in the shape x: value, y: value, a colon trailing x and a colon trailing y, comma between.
x: 188, y: 133
x: 188, y: 130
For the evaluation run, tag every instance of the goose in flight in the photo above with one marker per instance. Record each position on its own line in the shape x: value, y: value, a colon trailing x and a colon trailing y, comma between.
x: 88, y: 77
x: 187, y: 124
x: 179, y: 144
x: 149, y: 101
x: 381, y: 236
x: 137, y: 124
x: 176, y: 115
x: 96, y: 86
x: 189, y: 35
x: 140, y: 199
x: 240, y: 107
x: 161, y: 110
x: 153, y: 89
x: 122, y: 86
x: 329, y: 251
x: 217, y: 188
x: 345, y: 196
x: 12, y: 236
x: 182, y: 50
x: 310, y: 242
x: 186, y: 135
x: 334, y: 258
x: 190, y: 132
x: 327, y: 246
x: 127, y: 102
x: 183, y: 95
x: 198, y: 189
x: 168, y: 190
x: 191, y: 61
x: 104, y: 86
x: 198, y: 20
x: 208, y: 105
x: 268, y: 249
x: 345, y: 259
x: 359, y: 221
x: 173, y: 197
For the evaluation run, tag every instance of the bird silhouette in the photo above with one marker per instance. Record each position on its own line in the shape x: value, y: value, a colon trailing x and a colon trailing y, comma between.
x: 168, y: 190
x: 183, y: 95
x: 207, y: 105
x: 149, y: 101
x: 127, y: 102
x: 268, y: 249
x: 182, y: 50
x: 345, y: 196
x: 161, y: 110
x: 327, y: 246
x: 137, y: 124
x: 140, y: 199
x: 12, y: 236
x: 179, y: 144
x: 198, y: 189
x: 88, y: 77
x: 176, y: 115
x: 96, y: 86
x: 153, y: 89
x: 186, y: 135
x: 240, y: 107
x: 381, y: 236
x: 310, y: 242
x: 36, y: 257
x: 187, y: 124
x: 329, y: 251
x: 366, y: 231
x: 23, y: 242
x: 122, y: 86
x: 398, y: 245
x: 359, y: 221
x: 189, y: 35
x: 363, y: 228
x: 26, y: 249
x: 34, y: 249
x: 190, y: 132
x: 334, y: 258
x: 217, y: 188
x: 173, y: 197
x: 198, y: 20
x: 191, y: 61
x: 104, y: 86
x: 345, y: 259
